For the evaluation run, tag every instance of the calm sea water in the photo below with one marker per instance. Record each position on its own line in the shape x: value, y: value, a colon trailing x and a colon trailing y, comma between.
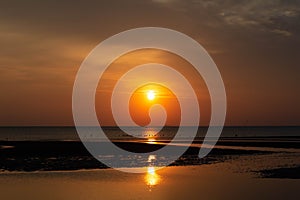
x: 70, y: 133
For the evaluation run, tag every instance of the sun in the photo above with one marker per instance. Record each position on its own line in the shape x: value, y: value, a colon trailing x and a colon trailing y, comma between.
x: 151, y: 95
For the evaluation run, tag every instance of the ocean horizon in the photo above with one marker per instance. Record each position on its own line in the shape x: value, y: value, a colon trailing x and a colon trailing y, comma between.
x: 69, y: 133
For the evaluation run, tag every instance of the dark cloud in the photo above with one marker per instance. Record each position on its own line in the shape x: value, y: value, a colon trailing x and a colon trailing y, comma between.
x: 276, y: 16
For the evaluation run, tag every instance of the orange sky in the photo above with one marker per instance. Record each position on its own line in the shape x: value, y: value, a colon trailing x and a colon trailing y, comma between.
x: 138, y: 105
x: 256, y: 50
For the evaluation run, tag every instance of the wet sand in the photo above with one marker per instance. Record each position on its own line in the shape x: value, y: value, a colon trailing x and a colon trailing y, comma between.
x: 216, y: 181
x: 54, y: 170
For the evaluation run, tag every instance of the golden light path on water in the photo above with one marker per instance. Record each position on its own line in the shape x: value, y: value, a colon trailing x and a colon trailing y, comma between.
x: 152, y: 178
x: 150, y: 136
x: 151, y: 141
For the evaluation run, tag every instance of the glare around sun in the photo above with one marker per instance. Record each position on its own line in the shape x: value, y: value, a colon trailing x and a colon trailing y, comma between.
x: 150, y: 95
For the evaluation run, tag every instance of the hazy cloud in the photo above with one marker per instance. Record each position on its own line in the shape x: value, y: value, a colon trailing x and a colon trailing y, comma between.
x: 275, y: 16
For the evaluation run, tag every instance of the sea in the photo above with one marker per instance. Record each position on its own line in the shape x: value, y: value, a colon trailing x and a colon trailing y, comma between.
x: 28, y: 149
x: 33, y: 133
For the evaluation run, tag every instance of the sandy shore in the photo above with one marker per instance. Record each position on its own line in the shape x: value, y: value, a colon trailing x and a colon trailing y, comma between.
x: 35, y: 171
x: 54, y: 170
x: 217, y: 181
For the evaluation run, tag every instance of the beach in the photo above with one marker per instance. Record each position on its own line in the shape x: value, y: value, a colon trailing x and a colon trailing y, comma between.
x: 265, y: 167
x: 217, y: 181
x: 156, y: 99
x: 230, y: 173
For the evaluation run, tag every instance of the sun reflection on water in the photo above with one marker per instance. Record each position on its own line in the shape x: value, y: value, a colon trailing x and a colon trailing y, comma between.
x: 152, y: 178
x: 151, y: 141
x: 150, y: 135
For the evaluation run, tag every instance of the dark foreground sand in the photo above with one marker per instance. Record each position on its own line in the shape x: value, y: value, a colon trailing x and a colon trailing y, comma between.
x: 71, y: 155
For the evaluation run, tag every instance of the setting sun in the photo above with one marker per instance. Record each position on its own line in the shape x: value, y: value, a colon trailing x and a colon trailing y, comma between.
x: 144, y: 97
x: 150, y: 95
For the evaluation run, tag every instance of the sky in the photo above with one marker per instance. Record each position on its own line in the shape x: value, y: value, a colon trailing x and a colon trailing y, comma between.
x: 255, y: 44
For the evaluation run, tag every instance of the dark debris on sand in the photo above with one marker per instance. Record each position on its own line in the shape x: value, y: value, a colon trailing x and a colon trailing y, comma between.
x: 285, y: 173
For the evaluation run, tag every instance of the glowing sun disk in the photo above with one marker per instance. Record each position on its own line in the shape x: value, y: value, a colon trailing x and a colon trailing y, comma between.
x: 150, y: 95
